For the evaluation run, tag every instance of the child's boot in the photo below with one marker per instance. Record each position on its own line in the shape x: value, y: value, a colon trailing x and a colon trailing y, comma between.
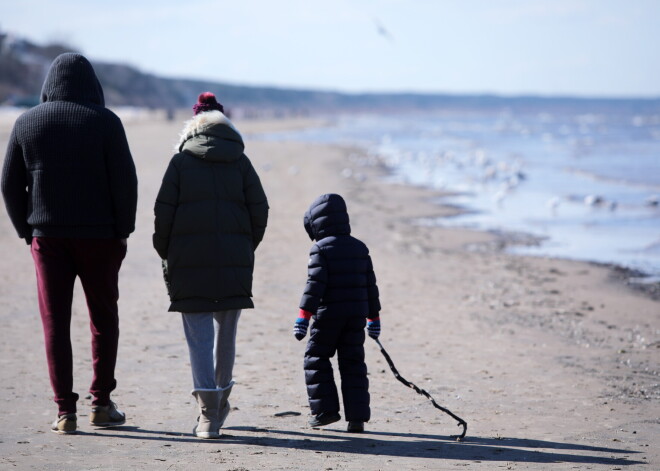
x: 324, y: 418
x: 223, y: 410
x: 208, y: 425
x: 355, y: 427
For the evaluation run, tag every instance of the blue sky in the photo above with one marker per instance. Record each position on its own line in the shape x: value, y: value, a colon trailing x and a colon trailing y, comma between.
x: 509, y: 47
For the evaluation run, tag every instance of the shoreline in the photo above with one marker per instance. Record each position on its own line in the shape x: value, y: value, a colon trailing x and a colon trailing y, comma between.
x: 502, y: 239
x: 495, y: 244
x: 576, y: 231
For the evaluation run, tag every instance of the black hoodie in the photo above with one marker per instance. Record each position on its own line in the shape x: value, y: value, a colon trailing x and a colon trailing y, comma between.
x: 68, y: 171
x: 340, y: 277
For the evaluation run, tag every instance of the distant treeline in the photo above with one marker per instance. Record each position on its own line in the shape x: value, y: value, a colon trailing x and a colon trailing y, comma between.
x: 23, y: 66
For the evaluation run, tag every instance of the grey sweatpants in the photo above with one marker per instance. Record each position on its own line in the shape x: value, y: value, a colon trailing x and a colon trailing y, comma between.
x: 211, y: 338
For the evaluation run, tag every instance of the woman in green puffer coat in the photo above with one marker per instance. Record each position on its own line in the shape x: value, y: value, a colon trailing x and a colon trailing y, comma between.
x: 210, y: 216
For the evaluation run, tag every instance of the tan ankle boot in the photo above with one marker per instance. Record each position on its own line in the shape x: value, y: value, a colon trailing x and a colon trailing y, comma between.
x: 224, y: 403
x: 208, y: 425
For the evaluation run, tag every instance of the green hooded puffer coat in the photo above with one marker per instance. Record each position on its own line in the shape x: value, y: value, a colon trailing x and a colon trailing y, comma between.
x: 210, y: 216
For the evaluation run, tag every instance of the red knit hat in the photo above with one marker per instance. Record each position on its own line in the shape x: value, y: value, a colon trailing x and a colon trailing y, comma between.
x: 207, y: 102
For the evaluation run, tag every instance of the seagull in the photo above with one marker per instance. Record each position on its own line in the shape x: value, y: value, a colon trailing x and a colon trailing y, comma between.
x: 489, y: 173
x: 499, y: 196
x: 553, y: 203
x: 382, y: 31
x: 593, y: 200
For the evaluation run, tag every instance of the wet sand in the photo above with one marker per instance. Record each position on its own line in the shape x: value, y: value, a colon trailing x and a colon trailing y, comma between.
x: 554, y: 364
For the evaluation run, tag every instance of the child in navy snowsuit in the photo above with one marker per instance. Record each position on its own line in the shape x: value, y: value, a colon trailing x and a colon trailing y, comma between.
x: 341, y: 295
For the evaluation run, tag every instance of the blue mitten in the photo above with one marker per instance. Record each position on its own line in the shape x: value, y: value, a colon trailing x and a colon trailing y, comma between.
x: 373, y: 328
x: 300, y: 328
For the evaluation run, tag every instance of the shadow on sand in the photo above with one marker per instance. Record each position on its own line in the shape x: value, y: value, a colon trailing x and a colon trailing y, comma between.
x: 500, y: 449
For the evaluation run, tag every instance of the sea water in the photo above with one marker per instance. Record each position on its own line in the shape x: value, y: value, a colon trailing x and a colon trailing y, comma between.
x: 585, y: 184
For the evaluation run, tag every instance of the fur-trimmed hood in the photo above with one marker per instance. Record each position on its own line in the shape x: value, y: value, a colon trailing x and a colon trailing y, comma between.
x: 211, y: 136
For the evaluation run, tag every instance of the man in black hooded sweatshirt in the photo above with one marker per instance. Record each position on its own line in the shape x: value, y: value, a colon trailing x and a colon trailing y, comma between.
x: 70, y: 189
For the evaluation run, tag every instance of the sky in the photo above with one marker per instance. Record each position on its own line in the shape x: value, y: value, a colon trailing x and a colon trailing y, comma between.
x: 506, y: 47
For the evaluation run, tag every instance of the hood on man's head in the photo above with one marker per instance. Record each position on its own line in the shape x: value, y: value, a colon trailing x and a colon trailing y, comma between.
x: 71, y: 77
x: 327, y: 216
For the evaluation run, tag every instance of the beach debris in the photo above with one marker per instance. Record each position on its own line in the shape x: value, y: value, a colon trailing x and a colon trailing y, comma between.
x: 287, y: 413
x: 653, y: 200
x: 418, y: 390
x: 347, y: 173
x: 294, y: 170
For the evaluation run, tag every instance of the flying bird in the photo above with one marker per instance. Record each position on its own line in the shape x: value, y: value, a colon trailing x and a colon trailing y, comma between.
x: 382, y: 31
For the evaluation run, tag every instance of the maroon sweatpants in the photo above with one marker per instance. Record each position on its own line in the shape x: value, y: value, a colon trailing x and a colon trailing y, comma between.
x: 96, y: 262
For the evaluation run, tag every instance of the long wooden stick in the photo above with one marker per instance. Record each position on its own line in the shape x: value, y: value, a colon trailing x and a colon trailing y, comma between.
x: 424, y: 393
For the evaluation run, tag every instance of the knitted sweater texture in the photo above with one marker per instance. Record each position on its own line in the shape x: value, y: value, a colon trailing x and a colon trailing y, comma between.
x: 68, y: 171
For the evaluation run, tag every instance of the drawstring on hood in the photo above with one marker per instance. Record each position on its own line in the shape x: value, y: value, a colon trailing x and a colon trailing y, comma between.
x: 71, y: 77
x: 327, y: 216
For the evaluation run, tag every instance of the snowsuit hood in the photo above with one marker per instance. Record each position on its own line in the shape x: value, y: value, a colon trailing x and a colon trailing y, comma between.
x: 71, y: 77
x: 327, y: 216
x: 211, y: 136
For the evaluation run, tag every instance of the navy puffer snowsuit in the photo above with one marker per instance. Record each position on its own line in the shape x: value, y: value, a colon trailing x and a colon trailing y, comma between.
x: 341, y: 292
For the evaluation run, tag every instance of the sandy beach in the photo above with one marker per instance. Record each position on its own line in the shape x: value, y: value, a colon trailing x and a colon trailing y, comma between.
x: 554, y: 364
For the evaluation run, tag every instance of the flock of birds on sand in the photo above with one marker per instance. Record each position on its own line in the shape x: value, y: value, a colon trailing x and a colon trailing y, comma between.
x: 510, y: 175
